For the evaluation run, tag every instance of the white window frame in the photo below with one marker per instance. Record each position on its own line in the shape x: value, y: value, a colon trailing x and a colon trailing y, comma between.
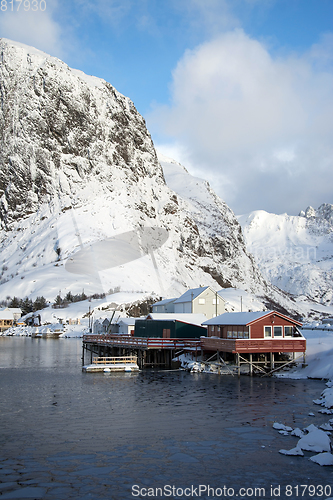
x: 268, y: 336
x: 202, y: 302
x: 291, y: 328
x: 278, y: 336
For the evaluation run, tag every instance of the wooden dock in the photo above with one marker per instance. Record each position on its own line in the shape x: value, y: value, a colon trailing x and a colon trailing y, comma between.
x: 112, y: 364
x: 150, y: 352
x: 262, y: 356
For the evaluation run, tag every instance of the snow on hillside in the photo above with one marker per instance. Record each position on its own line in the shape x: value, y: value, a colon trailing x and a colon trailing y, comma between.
x: 80, y: 175
x: 295, y: 253
x: 201, y: 202
x: 82, y: 184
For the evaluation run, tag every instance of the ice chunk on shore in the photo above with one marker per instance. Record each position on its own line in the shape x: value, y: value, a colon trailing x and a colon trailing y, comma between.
x: 297, y: 432
x: 317, y: 441
x: 326, y: 427
x: 323, y: 459
x: 294, y: 451
x: 281, y: 427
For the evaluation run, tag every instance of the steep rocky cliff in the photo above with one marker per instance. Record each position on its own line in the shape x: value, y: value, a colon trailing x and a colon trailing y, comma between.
x: 81, y: 187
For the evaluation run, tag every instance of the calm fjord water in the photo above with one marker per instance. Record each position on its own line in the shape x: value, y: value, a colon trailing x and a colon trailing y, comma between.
x: 67, y: 434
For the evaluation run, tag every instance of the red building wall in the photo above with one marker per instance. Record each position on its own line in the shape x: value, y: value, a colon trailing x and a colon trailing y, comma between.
x: 257, y: 328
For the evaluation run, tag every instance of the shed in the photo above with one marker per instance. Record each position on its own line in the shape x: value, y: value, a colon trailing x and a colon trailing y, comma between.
x: 170, y: 325
x: 17, y: 312
x: 6, y: 320
x: 126, y: 326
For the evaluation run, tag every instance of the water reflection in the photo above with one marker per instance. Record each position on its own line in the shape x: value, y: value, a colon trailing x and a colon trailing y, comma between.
x: 68, y: 434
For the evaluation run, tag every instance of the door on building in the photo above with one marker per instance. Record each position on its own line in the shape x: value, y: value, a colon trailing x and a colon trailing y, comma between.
x: 166, y: 333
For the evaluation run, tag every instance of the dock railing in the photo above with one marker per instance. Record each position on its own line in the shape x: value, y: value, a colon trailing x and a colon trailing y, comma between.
x: 144, y: 342
x: 115, y: 360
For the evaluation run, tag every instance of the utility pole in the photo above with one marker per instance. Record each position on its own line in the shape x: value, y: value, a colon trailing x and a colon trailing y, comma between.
x: 89, y: 321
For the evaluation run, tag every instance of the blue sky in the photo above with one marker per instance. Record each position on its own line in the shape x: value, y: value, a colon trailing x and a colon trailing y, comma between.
x: 239, y: 91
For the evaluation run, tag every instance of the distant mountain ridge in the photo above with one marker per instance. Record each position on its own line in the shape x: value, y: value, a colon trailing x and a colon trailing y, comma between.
x: 295, y: 253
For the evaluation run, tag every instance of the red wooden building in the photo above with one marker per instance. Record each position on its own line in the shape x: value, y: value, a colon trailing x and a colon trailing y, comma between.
x: 248, y: 333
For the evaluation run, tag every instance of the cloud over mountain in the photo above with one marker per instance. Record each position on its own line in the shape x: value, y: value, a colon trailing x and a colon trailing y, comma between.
x: 254, y: 120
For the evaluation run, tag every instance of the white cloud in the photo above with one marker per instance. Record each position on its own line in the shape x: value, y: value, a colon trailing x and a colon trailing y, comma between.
x: 37, y: 29
x: 259, y: 121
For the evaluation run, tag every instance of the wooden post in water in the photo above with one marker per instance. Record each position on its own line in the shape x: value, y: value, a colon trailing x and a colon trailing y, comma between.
x: 271, y: 355
x: 238, y: 364
x: 251, y: 365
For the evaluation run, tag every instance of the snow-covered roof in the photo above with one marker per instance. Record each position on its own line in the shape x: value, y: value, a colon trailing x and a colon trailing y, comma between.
x: 192, y: 319
x: 127, y: 321
x: 6, y: 315
x: 237, y: 318
x: 163, y: 302
x: 244, y: 318
x: 14, y: 310
x: 191, y: 294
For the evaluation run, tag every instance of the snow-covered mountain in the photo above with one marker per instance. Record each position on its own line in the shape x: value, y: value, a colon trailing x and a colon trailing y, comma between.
x: 84, y: 201
x: 294, y: 253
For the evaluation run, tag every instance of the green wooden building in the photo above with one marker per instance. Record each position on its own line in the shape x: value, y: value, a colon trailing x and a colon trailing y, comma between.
x: 170, y: 327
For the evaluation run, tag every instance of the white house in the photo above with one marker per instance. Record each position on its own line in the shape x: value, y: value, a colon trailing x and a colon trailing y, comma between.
x: 126, y: 326
x: 203, y: 300
x: 164, y: 306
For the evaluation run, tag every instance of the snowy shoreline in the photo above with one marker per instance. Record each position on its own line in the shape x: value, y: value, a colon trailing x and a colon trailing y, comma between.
x: 319, y: 348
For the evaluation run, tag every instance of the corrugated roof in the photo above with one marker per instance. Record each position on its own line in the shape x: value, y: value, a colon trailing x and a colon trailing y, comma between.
x: 237, y: 318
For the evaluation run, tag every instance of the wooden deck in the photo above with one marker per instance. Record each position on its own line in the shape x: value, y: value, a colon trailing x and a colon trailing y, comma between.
x: 294, y: 344
x: 161, y: 352
x: 141, y: 342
